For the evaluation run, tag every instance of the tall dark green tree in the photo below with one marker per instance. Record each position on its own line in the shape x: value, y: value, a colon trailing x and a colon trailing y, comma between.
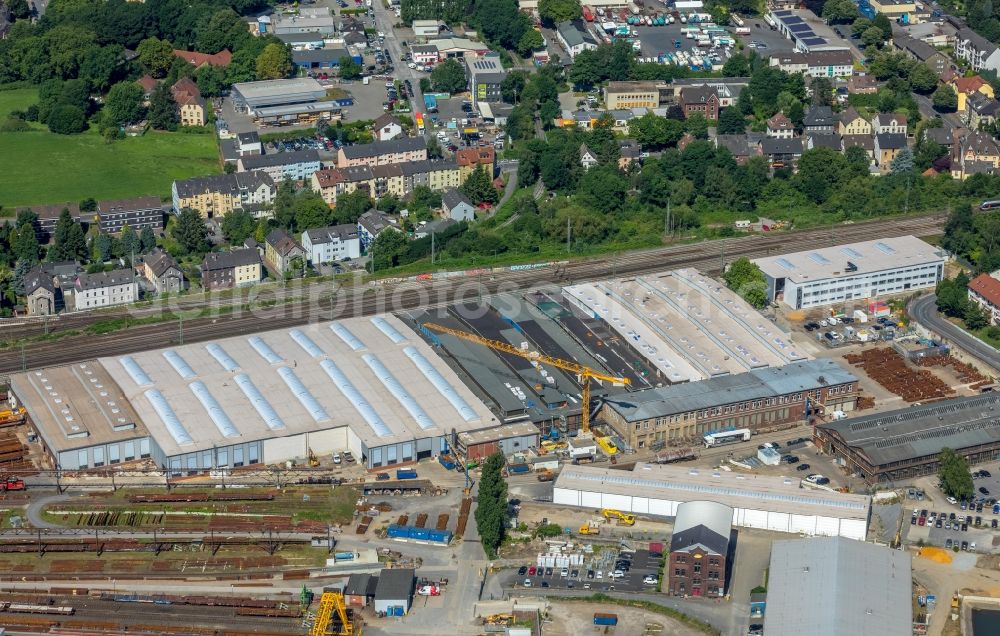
x: 190, y: 231
x: 953, y: 471
x: 163, y: 113
x: 491, y: 505
x: 147, y: 240
x: 68, y: 241
x: 479, y: 187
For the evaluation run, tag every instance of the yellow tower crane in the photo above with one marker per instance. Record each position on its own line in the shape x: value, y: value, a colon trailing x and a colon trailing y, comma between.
x: 329, y: 604
x: 584, y: 374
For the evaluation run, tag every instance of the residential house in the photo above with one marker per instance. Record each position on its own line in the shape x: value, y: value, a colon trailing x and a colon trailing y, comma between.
x: 424, y: 54
x: 225, y: 270
x: 865, y: 142
x: 980, y: 53
x: 780, y: 127
x: 298, y: 165
x: 728, y: 89
x: 852, y: 123
x: 138, y: 213
x: 632, y: 95
x: 388, y: 180
x: 629, y: 153
x: 977, y: 153
x: 332, y: 182
x: 887, y: 147
x: 468, y: 159
x: 377, y: 153
x: 922, y: 52
x: 371, y: 224
x: 457, y: 206
x: 436, y: 174
x: 819, y: 119
x: 386, y: 127
x: 966, y: 86
x: 889, y: 124
x: 218, y: 195
x: 40, y: 291
x: 162, y: 271
x: 148, y: 85
x: 281, y: 250
x: 741, y: 147
x: 980, y: 110
x: 984, y: 290
x: 700, y: 99
x: 197, y: 60
x: 943, y: 136
x: 588, y: 159
x: 781, y: 152
x: 430, y: 228
x: 105, y: 289
x: 331, y: 244
x: 822, y: 140
x: 574, y: 36
x: 862, y: 85
x: 399, y: 179
x: 190, y: 104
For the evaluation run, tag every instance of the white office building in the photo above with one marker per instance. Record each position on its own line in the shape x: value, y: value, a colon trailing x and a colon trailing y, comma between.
x: 854, y: 272
x: 331, y: 244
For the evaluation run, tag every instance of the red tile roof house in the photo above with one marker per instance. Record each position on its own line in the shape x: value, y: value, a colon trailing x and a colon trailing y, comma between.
x: 984, y: 290
x: 197, y: 60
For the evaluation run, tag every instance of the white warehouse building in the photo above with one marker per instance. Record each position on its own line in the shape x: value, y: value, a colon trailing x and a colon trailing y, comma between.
x: 854, y: 272
x: 769, y: 503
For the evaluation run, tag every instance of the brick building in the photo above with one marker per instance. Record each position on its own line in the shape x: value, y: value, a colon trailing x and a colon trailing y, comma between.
x: 699, y: 549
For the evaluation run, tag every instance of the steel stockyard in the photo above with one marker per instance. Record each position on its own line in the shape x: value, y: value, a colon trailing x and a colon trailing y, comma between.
x: 706, y: 256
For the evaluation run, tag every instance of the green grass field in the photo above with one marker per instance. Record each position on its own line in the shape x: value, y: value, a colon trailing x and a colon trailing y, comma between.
x: 40, y: 167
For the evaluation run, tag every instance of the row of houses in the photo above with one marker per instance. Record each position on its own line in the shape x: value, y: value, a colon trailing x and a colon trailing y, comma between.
x: 110, y: 216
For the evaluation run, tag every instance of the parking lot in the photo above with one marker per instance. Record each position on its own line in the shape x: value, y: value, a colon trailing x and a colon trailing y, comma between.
x: 936, y: 521
x: 773, y: 41
x: 596, y: 574
x: 657, y: 40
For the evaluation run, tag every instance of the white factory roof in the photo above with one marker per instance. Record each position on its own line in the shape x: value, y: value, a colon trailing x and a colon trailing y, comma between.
x: 690, y: 326
x: 371, y: 374
x: 736, y: 490
x: 867, y: 256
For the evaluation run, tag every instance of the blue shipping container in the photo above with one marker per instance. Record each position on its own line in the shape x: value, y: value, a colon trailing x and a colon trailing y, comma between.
x: 408, y: 473
x: 440, y: 536
x: 420, y: 533
x: 605, y: 619
x: 518, y: 468
x: 399, y: 532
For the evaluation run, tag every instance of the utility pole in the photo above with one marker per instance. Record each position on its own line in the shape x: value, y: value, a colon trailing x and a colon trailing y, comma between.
x: 24, y: 360
x: 180, y: 328
x: 666, y: 222
x: 723, y: 244
x: 432, y: 248
x: 569, y: 236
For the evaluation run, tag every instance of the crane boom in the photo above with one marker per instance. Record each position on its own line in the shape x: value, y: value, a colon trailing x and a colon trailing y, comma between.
x: 584, y: 373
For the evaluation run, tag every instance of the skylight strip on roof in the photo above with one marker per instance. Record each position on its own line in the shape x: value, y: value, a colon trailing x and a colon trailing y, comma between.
x: 345, y: 334
x: 306, y: 343
x: 885, y: 248
x: 168, y: 417
x: 442, y: 385
x: 303, y: 395
x: 135, y: 371
x: 402, y: 396
x: 214, y: 409
x: 356, y: 399
x: 259, y: 402
x: 223, y: 358
x: 264, y: 349
x: 390, y: 331
x: 179, y: 364
x: 785, y: 263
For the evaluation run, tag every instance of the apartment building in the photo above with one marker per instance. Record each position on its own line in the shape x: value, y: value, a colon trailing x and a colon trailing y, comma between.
x: 225, y: 270
x: 984, y: 290
x: 631, y: 95
x: 468, y: 159
x: 298, y: 165
x: 331, y: 244
x: 138, y: 213
x: 218, y: 195
x: 160, y: 269
x: 381, y: 153
x: 980, y: 53
x: 106, y: 289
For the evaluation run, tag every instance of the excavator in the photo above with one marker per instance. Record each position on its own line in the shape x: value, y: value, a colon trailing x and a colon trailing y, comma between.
x: 332, y: 611
x: 12, y: 416
x: 584, y: 374
x: 313, y: 460
x: 624, y: 519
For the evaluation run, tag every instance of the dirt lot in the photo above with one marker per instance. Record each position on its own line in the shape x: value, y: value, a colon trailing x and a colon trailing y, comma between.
x: 573, y: 619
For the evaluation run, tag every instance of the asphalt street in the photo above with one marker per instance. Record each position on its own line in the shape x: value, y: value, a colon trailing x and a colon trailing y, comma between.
x: 924, y: 311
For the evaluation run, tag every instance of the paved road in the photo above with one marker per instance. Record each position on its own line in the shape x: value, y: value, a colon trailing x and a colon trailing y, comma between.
x: 384, y: 19
x: 924, y: 310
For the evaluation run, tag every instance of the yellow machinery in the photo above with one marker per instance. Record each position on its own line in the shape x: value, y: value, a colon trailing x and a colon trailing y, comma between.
x: 313, y: 460
x: 590, y: 528
x: 584, y: 374
x: 12, y: 416
x: 332, y: 605
x: 499, y: 619
x: 624, y: 519
x: 607, y: 445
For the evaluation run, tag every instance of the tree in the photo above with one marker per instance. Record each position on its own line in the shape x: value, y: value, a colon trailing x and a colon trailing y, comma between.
x: 349, y: 69
x: 479, y: 187
x: 746, y: 279
x: 351, y: 206
x: 190, y: 231
x: 155, y: 56
x: 448, y: 77
x: 211, y: 80
x: 882, y: 22
x: 491, y: 505
x: 553, y: 12
x: 513, y: 85
x: 129, y: 243
x: 953, y: 471
x: 24, y: 243
x: 103, y: 248
x: 225, y: 29
x: 66, y: 119
x: 974, y: 317
x: 147, y: 240
x: 68, y: 242
x: 840, y: 11
x: 903, y: 162
x: 531, y: 41
x: 731, y: 122
x: 655, y: 132
x: 386, y: 249
x: 872, y: 36
x: 944, y: 99
x: 163, y: 113
x: 922, y: 78
x: 123, y: 105
x: 586, y: 70
x: 238, y: 226
x: 274, y: 62
x: 697, y: 125
x: 605, y: 188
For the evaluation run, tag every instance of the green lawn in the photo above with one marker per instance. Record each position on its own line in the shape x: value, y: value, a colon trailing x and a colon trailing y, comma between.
x: 41, y: 167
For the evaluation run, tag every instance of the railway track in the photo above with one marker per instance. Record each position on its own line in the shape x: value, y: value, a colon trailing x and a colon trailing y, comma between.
x: 369, y: 300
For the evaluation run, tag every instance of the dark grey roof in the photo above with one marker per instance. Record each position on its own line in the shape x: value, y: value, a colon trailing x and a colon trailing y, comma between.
x: 699, y: 536
x: 228, y: 260
x: 737, y: 145
x: 374, y: 149
x: 917, y: 48
x: 819, y: 116
x: 977, y: 41
x: 319, y: 55
x: 334, y: 232
x: 298, y: 38
x: 922, y: 431
x: 395, y: 585
x: 283, y: 244
x: 384, y: 120
x: 223, y: 183
x: 942, y: 136
x: 248, y: 137
x: 54, y: 211
x: 772, y: 146
x: 629, y: 149
x: 575, y: 33
x: 357, y: 584
x: 730, y: 389
x: 698, y: 94
x: 890, y: 141
x: 118, y: 206
x: 862, y: 141
x: 984, y: 105
x: 427, y: 166
x: 105, y: 279
x: 825, y: 141
x: 702, y: 523
x: 159, y: 262
x: 454, y: 197
x: 256, y: 162
x: 375, y: 221
x: 38, y: 277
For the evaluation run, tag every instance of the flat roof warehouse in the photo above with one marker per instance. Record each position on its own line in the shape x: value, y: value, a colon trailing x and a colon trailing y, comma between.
x: 271, y: 390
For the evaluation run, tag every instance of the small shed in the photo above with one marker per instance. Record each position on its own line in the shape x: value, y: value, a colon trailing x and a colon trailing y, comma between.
x: 360, y: 590
x: 581, y: 447
x: 544, y: 462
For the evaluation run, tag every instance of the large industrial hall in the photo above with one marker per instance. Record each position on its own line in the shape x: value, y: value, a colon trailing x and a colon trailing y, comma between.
x: 367, y: 385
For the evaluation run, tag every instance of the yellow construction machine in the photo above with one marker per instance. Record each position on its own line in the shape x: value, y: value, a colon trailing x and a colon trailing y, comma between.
x: 332, y: 617
x: 624, y: 519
